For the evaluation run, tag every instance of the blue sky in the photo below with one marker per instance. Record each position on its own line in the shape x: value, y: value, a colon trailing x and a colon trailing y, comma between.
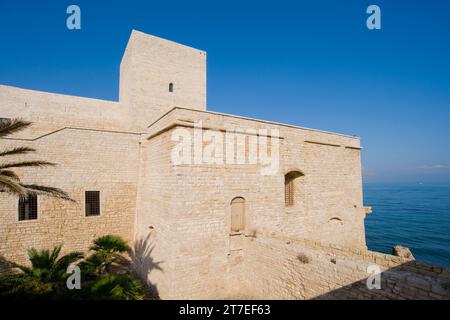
x: 309, y: 63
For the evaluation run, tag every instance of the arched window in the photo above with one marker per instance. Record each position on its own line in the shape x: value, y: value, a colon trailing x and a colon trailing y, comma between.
x: 171, y: 87
x: 237, y: 215
x: 289, y: 187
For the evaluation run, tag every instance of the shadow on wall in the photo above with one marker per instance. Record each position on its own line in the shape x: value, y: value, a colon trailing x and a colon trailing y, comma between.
x: 286, y: 268
x: 6, y: 266
x: 143, y: 264
x: 409, y: 281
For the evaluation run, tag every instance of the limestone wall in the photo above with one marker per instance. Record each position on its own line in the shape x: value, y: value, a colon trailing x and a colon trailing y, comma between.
x: 52, y: 112
x: 149, y: 65
x: 192, y: 220
x: 329, y: 204
x: 179, y: 215
x: 154, y: 231
x: 265, y: 262
x: 87, y: 160
x: 282, y: 268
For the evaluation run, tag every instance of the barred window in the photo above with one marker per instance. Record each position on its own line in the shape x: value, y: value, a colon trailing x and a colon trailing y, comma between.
x: 92, y: 203
x: 28, y: 208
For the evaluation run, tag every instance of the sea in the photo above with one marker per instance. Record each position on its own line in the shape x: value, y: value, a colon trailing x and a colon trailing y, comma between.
x: 415, y: 215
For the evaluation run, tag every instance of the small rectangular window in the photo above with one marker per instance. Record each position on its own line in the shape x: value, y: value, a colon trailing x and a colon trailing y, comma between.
x: 92, y: 201
x: 28, y: 208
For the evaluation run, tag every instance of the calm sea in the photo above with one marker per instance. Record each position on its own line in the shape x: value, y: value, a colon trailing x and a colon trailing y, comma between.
x: 414, y: 215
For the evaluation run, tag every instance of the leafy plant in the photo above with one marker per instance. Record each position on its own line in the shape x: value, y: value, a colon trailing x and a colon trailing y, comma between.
x: 46, y: 275
x: 117, y: 287
x: 9, y: 180
x: 107, y: 253
x: 99, y: 268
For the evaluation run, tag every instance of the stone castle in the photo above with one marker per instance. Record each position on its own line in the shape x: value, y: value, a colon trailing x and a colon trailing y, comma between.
x: 199, y: 230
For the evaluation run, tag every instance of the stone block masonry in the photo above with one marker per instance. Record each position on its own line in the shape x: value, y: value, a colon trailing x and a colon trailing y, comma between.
x: 181, y: 218
x: 276, y: 268
x: 87, y: 160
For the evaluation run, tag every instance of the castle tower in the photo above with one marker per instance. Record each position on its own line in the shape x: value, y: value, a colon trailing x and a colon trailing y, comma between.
x: 157, y: 75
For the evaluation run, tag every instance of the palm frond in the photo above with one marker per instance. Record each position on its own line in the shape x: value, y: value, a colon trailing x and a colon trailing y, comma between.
x: 60, y: 267
x: 10, y: 281
x: 117, y: 287
x: 68, y: 259
x: 9, y: 174
x: 10, y: 126
x: 93, y: 265
x: 16, y: 151
x: 110, y: 243
x: 12, y: 186
x: 47, y: 191
x: 40, y: 259
x: 9, y: 180
x: 35, y: 163
x: 23, y: 287
x: 54, y: 255
x: 25, y: 269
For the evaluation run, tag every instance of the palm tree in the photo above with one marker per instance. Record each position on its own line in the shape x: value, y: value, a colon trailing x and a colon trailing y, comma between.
x: 108, y: 252
x: 101, y: 265
x: 44, y: 279
x: 117, y: 287
x: 100, y: 271
x: 9, y: 180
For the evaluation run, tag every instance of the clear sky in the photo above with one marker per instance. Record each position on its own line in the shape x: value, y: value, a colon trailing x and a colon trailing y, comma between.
x: 309, y: 63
